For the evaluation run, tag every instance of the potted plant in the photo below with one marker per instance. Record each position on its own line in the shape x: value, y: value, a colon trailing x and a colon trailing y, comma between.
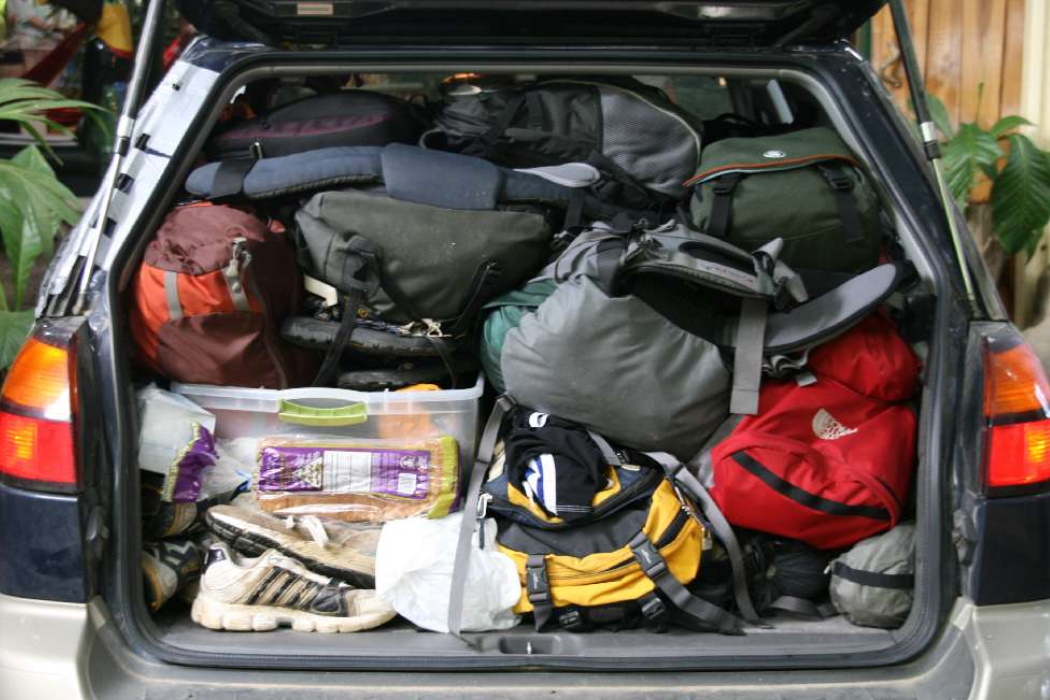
x: 34, y: 206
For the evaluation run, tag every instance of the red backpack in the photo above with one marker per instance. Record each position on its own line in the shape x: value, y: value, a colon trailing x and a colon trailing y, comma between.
x: 828, y: 463
x: 209, y: 298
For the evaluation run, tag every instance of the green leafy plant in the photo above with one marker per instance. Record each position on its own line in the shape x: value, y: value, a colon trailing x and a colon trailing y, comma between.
x: 1018, y: 170
x: 34, y: 205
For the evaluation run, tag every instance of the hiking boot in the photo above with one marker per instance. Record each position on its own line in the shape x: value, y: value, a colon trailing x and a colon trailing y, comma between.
x: 272, y: 590
x: 331, y: 549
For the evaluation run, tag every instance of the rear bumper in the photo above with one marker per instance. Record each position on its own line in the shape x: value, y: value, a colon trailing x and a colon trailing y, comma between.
x: 42, y: 649
x: 61, y: 650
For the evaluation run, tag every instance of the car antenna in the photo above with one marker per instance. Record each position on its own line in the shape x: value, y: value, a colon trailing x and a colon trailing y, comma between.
x: 122, y: 143
x: 931, y: 146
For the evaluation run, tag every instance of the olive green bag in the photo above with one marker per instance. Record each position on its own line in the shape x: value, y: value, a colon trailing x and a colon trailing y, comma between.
x: 804, y: 187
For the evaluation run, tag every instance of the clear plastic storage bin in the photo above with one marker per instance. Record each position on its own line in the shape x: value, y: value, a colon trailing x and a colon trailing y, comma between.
x: 259, y: 413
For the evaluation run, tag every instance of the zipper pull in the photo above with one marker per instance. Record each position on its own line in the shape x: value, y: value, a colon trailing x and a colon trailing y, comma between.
x: 240, y: 258
x: 483, y: 511
x: 483, y: 505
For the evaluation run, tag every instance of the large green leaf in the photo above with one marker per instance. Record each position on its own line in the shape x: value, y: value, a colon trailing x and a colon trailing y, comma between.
x: 33, y: 205
x: 26, y: 104
x: 970, y: 150
x: 1008, y: 123
x: 1021, y: 196
x: 14, y: 327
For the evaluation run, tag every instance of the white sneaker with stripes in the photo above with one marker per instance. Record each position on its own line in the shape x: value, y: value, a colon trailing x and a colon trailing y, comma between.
x: 273, y: 590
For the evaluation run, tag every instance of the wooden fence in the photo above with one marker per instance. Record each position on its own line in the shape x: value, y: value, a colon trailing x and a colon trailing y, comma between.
x: 962, y: 45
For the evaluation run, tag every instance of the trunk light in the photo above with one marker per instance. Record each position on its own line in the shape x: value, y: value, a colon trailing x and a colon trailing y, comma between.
x: 36, y: 417
x: 1017, y: 415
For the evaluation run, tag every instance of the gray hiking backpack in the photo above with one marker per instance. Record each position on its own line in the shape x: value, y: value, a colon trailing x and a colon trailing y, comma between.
x: 873, y: 583
x: 629, y: 333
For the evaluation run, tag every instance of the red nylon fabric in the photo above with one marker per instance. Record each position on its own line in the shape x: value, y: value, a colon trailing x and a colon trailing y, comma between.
x: 828, y: 442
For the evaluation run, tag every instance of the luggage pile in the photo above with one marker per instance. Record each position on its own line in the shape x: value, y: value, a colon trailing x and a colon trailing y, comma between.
x: 704, y: 413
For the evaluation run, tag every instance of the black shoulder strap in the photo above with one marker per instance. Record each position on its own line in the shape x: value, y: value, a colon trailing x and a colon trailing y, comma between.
x: 845, y: 202
x: 681, y: 476
x: 805, y: 608
x: 356, y: 267
x: 702, y: 613
x: 722, y: 204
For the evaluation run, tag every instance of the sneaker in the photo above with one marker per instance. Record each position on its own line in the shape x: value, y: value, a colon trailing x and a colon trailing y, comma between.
x: 334, y: 549
x: 168, y: 567
x: 272, y: 590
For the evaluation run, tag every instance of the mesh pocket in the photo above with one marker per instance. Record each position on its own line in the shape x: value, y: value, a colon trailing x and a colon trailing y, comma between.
x: 651, y: 144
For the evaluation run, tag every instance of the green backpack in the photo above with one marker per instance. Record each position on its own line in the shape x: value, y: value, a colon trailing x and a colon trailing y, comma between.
x: 804, y: 187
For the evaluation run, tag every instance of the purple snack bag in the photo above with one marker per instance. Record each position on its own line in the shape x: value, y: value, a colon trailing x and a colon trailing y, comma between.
x: 335, y: 470
x: 182, y: 484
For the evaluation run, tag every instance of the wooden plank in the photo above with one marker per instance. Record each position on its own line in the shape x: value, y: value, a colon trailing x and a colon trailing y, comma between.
x: 919, y: 20
x: 943, y: 54
x: 1013, y: 59
x: 970, y: 59
x: 993, y: 48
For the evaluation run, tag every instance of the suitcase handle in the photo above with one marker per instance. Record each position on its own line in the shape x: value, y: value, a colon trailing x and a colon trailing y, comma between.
x: 297, y: 414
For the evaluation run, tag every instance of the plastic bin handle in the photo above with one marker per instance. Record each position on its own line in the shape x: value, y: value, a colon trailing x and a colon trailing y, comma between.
x: 297, y: 414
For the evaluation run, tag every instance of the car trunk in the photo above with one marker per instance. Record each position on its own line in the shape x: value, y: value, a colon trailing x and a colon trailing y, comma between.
x: 770, y: 91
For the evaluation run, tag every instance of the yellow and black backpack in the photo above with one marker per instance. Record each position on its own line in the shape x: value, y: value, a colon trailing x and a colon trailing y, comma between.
x: 626, y: 563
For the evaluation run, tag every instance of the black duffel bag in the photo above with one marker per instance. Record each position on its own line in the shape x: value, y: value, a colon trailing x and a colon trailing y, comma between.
x: 344, y: 118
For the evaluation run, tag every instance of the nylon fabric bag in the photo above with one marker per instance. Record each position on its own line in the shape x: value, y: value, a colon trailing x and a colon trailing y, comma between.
x: 630, y: 131
x: 344, y: 118
x: 805, y: 187
x: 820, y: 463
x: 873, y: 583
x: 432, y: 261
x: 209, y: 297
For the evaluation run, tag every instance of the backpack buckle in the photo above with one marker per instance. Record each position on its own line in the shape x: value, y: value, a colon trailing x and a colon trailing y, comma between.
x: 654, y: 610
x: 726, y: 184
x: 571, y: 621
x: 653, y: 564
x: 837, y: 179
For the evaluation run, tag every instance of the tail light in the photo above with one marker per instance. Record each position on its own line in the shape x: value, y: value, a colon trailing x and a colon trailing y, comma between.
x: 37, y: 413
x: 1017, y: 417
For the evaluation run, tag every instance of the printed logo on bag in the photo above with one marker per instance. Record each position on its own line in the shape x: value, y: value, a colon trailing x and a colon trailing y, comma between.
x: 774, y: 154
x: 826, y: 427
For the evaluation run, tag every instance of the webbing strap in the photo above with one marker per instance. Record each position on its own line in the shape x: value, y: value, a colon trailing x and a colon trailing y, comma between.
x: 806, y: 608
x: 538, y: 589
x: 229, y: 178
x: 722, y: 204
x: 873, y: 578
x: 844, y: 201
x: 747, y: 356
x: 342, y: 338
x: 723, y: 531
x: 171, y: 294
x: 608, y: 256
x: 608, y: 453
x: 475, y: 477
x: 702, y: 612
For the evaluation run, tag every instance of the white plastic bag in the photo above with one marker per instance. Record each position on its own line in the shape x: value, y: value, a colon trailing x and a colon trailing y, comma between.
x: 414, y: 575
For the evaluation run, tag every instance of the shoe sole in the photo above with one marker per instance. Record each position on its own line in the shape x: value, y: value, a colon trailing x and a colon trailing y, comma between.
x: 232, y: 617
x: 252, y: 540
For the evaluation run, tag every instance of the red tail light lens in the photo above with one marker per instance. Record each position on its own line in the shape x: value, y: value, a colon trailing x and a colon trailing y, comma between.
x: 36, y: 416
x: 1017, y: 414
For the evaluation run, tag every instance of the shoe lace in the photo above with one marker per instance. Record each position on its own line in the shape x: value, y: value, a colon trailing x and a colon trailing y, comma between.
x: 312, y: 524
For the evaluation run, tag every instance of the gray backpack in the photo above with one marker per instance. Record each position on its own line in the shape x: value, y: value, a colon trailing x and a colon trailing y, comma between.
x: 625, y: 332
x: 873, y: 583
